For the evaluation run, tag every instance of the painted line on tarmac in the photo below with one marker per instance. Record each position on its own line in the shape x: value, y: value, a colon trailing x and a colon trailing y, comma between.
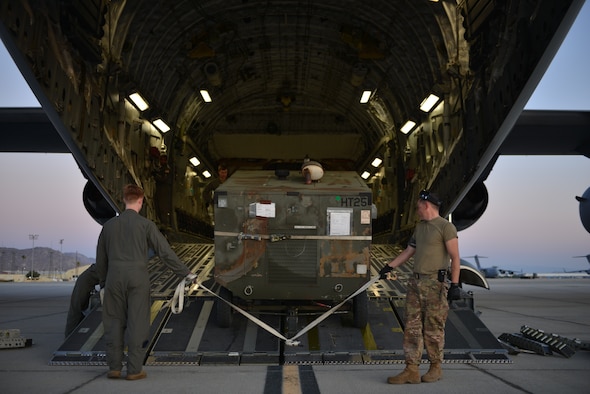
x: 292, y: 379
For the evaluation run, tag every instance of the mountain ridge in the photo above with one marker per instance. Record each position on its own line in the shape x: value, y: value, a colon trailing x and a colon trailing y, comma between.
x: 43, y: 260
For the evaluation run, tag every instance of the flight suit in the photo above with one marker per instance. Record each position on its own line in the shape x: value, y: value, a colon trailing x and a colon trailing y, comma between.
x: 122, y: 264
x: 85, y: 283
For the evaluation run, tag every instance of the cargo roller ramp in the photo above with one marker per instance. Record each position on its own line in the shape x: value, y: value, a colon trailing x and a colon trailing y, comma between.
x: 194, y: 338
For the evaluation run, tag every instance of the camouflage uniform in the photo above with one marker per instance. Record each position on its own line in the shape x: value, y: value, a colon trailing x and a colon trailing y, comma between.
x: 426, y: 299
x: 426, y: 313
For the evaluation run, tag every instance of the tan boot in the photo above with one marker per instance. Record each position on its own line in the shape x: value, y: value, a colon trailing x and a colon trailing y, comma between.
x: 409, y: 375
x: 434, y: 373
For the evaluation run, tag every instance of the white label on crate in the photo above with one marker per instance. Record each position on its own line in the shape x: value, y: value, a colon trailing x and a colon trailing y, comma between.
x: 339, y: 222
x: 265, y: 210
x: 365, y: 216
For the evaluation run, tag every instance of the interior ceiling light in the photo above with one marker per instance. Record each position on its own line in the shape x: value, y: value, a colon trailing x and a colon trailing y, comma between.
x: 376, y: 162
x: 138, y: 101
x: 429, y: 103
x: 366, y: 96
x: 161, y: 125
x: 365, y: 174
x: 206, y: 174
x: 409, y: 126
x: 206, y: 96
x: 194, y: 161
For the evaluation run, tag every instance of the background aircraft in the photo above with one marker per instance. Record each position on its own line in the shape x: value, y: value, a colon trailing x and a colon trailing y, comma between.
x: 493, y: 271
x: 568, y: 274
x: 497, y: 272
x: 587, y: 257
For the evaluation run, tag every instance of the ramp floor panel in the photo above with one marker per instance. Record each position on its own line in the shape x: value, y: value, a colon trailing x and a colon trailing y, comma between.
x: 194, y: 338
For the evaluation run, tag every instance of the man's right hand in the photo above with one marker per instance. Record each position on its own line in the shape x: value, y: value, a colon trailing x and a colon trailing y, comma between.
x: 191, y: 278
x: 384, y: 271
x: 454, y: 292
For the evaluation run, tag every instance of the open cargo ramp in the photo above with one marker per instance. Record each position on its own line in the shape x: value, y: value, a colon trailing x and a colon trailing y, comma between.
x: 194, y: 338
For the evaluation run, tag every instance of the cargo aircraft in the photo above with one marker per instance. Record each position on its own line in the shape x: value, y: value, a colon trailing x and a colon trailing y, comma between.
x: 410, y: 95
x: 587, y: 257
x: 490, y: 272
x: 581, y: 273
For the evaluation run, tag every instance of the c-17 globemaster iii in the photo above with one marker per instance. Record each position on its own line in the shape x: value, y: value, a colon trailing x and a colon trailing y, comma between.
x: 409, y: 95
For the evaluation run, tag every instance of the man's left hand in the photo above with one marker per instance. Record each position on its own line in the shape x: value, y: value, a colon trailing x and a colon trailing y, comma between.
x: 384, y: 271
x: 454, y: 292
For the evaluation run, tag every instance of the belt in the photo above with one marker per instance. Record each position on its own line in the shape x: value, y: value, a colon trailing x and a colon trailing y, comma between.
x: 416, y: 275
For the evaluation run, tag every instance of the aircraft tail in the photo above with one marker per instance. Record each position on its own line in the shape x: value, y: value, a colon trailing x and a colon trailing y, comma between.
x: 586, y: 256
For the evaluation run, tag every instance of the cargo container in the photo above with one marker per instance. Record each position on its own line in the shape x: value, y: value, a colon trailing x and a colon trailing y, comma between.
x: 282, y: 238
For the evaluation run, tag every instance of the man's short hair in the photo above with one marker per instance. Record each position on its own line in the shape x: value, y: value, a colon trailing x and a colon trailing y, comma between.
x: 132, y: 193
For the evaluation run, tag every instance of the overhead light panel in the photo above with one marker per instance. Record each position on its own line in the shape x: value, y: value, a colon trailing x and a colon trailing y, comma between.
x: 376, y: 162
x: 138, y: 101
x: 206, y: 96
x: 161, y: 125
x: 206, y: 174
x: 366, y: 96
x: 194, y: 161
x: 365, y: 175
x: 429, y: 103
x: 409, y: 126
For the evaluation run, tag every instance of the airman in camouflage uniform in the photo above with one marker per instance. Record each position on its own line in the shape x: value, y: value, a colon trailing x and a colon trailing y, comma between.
x: 433, y: 244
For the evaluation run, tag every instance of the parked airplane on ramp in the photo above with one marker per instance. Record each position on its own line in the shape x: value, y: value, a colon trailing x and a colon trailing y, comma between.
x: 587, y: 257
x: 493, y: 271
x: 158, y: 94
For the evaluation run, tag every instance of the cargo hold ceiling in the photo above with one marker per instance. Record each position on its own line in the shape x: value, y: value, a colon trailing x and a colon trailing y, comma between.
x: 288, y: 68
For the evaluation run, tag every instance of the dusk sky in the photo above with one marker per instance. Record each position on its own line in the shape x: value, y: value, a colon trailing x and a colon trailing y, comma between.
x: 532, y: 221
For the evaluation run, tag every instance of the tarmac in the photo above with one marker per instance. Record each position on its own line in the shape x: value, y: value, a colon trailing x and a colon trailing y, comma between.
x: 558, y: 306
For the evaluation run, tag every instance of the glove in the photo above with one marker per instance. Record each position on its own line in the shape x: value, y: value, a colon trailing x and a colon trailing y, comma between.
x: 454, y: 292
x: 191, y: 278
x: 384, y: 271
x: 101, y: 294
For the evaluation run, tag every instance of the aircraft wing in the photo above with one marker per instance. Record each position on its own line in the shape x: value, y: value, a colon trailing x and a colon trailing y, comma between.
x: 542, y: 132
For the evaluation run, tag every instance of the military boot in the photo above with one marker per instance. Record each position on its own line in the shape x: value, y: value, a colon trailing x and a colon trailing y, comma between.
x: 434, y: 373
x: 409, y: 375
